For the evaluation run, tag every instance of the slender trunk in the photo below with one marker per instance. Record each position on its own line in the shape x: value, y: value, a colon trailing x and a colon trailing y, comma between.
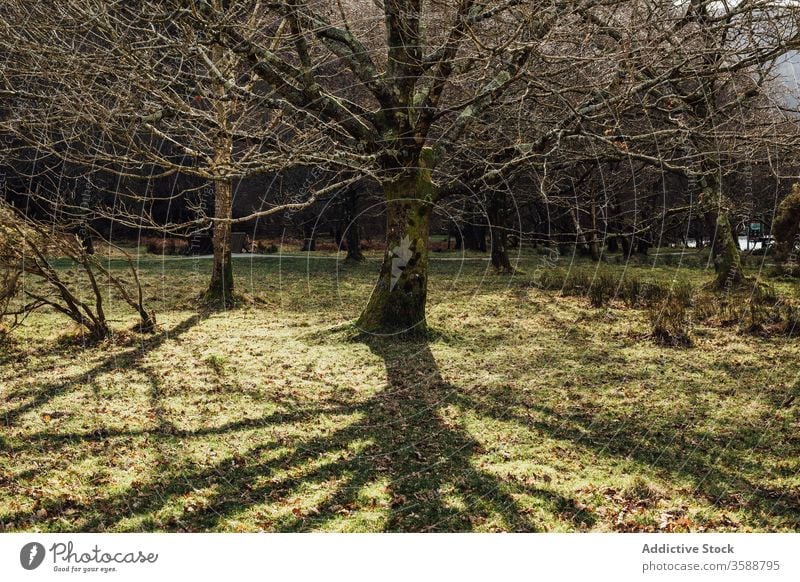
x: 220, y: 291
x: 353, y: 231
x: 354, y: 244
x: 594, y: 244
x: 500, y: 260
x: 87, y: 242
x: 397, y: 304
x: 497, y: 233
x: 580, y: 237
x: 627, y: 247
x: 458, y: 243
x: 309, y: 240
x: 724, y: 250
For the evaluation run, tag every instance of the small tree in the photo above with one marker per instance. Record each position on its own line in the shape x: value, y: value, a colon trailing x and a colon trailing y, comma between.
x: 9, y: 289
x: 144, y: 90
x: 28, y: 247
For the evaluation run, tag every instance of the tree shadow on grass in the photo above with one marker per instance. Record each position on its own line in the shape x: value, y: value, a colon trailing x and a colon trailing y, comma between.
x: 716, y: 465
x: 131, y: 357
x: 402, y: 441
x: 405, y: 442
x: 425, y: 459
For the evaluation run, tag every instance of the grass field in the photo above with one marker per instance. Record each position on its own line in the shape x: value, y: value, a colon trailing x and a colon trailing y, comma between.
x: 524, y: 410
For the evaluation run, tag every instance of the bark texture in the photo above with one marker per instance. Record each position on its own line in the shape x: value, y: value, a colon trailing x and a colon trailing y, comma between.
x: 786, y: 229
x: 220, y: 290
x: 725, y: 251
x: 397, y: 303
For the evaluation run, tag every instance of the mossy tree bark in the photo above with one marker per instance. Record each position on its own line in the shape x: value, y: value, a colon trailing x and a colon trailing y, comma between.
x: 786, y: 228
x: 397, y: 303
x: 727, y: 260
x: 724, y: 249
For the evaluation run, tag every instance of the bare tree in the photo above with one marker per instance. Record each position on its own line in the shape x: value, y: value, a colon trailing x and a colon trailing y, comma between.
x: 419, y: 74
x: 427, y: 99
x: 144, y: 90
x: 28, y: 247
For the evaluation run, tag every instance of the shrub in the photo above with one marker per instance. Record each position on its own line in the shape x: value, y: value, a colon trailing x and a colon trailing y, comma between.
x: 653, y: 292
x: 602, y: 289
x: 577, y: 282
x: 631, y: 290
x: 265, y: 247
x: 165, y: 246
x: 641, y: 293
x: 765, y: 293
x: 670, y: 260
x: 550, y: 279
x: 28, y: 246
x: 669, y: 322
x: 9, y: 289
x: 154, y: 245
x: 761, y: 308
x: 684, y: 291
x: 791, y: 319
x: 756, y: 316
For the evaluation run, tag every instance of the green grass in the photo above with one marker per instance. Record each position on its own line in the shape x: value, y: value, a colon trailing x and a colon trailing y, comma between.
x: 525, y: 410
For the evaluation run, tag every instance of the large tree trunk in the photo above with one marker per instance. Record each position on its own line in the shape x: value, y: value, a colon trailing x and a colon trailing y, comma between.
x: 397, y: 304
x: 220, y: 291
x: 786, y: 229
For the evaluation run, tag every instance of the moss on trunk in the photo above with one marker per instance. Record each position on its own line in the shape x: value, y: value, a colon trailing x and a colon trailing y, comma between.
x: 397, y: 303
x: 786, y: 229
x: 727, y: 260
x: 724, y: 249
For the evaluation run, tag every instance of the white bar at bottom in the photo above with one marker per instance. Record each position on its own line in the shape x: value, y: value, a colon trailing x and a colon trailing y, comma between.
x: 378, y: 557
